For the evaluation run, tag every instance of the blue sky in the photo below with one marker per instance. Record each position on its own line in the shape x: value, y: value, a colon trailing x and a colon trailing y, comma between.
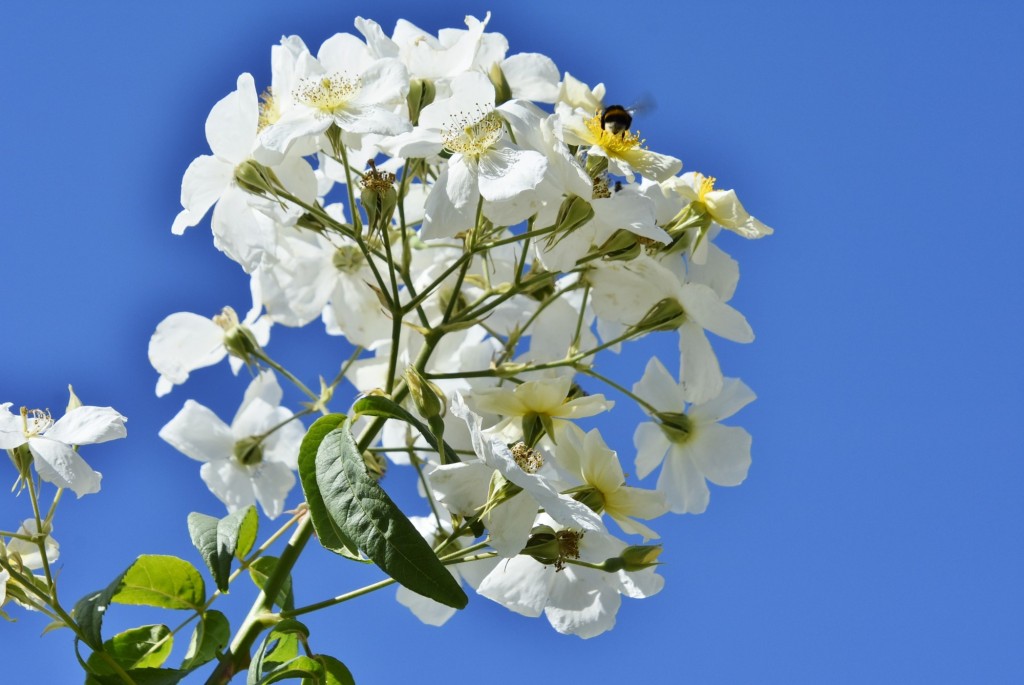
x: 880, y: 534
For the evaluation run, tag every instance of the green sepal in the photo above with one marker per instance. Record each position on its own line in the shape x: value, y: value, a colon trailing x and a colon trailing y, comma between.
x: 364, y: 511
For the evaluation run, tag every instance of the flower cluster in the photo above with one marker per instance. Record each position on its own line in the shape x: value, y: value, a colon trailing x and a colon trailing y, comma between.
x: 479, y: 226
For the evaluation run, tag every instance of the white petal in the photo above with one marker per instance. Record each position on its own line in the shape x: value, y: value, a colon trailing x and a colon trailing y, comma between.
x: 461, y: 488
x: 229, y: 482
x: 11, y: 433
x: 510, y: 523
x: 701, y: 375
x: 657, y: 387
x: 532, y: 76
x: 734, y: 396
x: 86, y: 425
x: 579, y: 609
x: 198, y: 433
x: 683, y: 485
x: 231, y: 126
x: 506, y: 172
x: 441, y: 218
x: 651, y: 445
x: 57, y: 463
x: 703, y: 304
x: 204, y: 182
x: 521, y: 584
x: 272, y: 482
x: 184, y: 342
x: 425, y: 609
x: 722, y: 453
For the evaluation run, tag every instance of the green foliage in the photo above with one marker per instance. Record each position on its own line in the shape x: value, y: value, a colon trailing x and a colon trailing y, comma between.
x: 211, y: 635
x: 142, y: 647
x: 261, y: 570
x: 220, y: 541
x: 365, y: 513
x: 378, y: 405
x: 161, y: 581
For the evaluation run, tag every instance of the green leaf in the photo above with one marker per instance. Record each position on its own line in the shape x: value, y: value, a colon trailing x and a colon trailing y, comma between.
x: 336, y: 672
x: 139, y: 676
x: 378, y: 405
x: 218, y: 541
x: 280, y: 646
x: 142, y: 647
x: 261, y: 570
x: 330, y: 535
x: 300, y: 667
x: 161, y: 581
x: 89, y: 611
x: 248, y: 528
x: 211, y: 635
x: 361, y: 508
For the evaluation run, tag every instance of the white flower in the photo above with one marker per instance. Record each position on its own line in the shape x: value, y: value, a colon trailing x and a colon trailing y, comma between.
x: 184, y: 342
x: 588, y: 458
x: 51, y: 442
x: 484, y: 163
x: 29, y: 551
x: 544, y: 400
x: 576, y: 600
x: 692, y: 444
x: 722, y: 205
x: 624, y: 150
x: 242, y: 464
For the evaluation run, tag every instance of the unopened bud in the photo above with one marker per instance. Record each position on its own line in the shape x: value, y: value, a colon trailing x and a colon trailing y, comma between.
x: 639, y: 557
x: 73, y: 401
x: 428, y: 398
x: 502, y: 90
x: 621, y: 246
x: 257, y: 179
x: 573, y: 213
x: 666, y: 315
x: 421, y: 94
x: 239, y: 341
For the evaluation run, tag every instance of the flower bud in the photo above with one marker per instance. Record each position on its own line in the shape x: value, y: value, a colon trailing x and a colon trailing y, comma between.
x: 21, y: 457
x: 73, y: 401
x: 621, y: 246
x: 376, y: 464
x: 421, y: 94
x: 428, y: 398
x: 666, y: 315
x: 502, y: 90
x: 239, y: 341
x: 248, y: 451
x: 639, y: 557
x: 257, y: 179
x: 573, y: 213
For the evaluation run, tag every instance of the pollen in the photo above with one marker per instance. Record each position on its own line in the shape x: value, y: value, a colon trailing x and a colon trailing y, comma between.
x: 707, y: 184
x: 269, y: 111
x: 35, y: 421
x: 529, y: 460
x: 615, y: 144
x: 568, y: 547
x: 327, y: 94
x: 473, y: 134
x: 376, y: 180
x: 601, y: 189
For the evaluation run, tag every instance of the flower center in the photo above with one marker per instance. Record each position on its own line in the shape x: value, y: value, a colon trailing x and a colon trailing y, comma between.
x: 612, y: 143
x: 348, y: 259
x: 227, y: 319
x: 269, y: 112
x: 327, y: 94
x: 35, y: 421
x: 677, y: 426
x: 529, y: 460
x: 474, y: 134
x: 568, y: 547
x: 707, y: 184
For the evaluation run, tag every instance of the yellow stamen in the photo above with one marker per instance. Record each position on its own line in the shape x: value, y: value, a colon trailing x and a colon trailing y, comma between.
x: 473, y: 135
x: 707, y: 184
x: 269, y: 112
x: 615, y: 144
x: 329, y: 94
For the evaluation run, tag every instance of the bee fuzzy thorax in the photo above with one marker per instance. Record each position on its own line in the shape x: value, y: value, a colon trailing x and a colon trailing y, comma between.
x: 616, y: 119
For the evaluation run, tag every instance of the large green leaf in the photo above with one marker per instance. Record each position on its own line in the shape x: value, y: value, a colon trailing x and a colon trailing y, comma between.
x: 142, y: 647
x: 90, y: 610
x: 161, y: 581
x: 218, y: 541
x: 378, y: 405
x: 335, y: 672
x: 361, y: 508
x: 280, y: 646
x: 331, y: 536
x: 211, y: 634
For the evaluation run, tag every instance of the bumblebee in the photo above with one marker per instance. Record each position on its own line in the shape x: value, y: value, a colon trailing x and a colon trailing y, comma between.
x: 616, y: 119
